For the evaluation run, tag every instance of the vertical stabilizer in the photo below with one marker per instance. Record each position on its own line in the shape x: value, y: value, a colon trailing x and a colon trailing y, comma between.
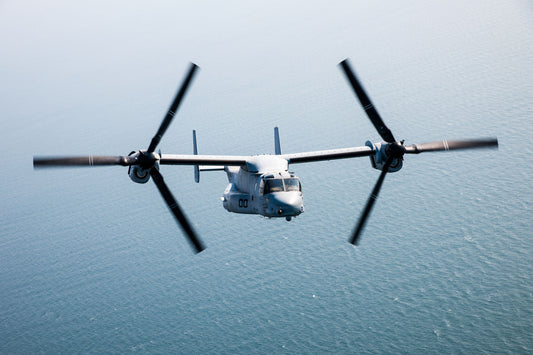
x: 195, y: 152
x: 277, y: 144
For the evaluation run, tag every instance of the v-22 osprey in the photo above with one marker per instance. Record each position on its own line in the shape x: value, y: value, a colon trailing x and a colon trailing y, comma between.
x: 263, y: 184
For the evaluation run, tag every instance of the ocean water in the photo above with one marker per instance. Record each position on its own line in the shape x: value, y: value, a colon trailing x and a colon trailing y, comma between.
x: 93, y: 263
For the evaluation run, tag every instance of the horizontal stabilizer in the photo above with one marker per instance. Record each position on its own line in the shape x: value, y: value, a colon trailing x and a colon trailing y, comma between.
x: 211, y: 167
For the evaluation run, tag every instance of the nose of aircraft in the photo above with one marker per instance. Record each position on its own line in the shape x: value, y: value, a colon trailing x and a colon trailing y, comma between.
x: 286, y: 203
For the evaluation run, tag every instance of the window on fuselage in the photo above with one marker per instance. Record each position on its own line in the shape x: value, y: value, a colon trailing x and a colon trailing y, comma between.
x: 273, y: 185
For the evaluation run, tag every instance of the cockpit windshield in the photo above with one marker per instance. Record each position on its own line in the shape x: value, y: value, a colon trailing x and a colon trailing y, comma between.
x: 292, y: 185
x: 273, y: 185
x: 278, y: 185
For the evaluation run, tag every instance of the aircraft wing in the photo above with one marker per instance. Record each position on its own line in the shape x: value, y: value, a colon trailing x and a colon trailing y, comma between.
x: 217, y: 160
x: 331, y: 154
x: 240, y: 160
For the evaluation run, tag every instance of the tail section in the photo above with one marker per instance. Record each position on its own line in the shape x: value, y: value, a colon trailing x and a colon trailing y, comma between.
x: 277, y: 145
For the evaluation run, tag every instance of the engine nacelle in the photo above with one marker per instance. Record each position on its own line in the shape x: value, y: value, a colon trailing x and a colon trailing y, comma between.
x: 138, y: 174
x: 378, y: 160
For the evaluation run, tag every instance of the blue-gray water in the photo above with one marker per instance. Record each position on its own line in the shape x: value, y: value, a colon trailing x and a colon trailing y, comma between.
x: 91, y: 262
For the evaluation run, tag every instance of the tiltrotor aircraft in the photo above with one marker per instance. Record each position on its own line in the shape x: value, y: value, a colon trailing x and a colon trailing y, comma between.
x: 263, y: 184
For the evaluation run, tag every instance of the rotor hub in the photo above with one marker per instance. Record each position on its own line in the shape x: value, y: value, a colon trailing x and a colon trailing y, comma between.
x: 147, y: 160
x: 397, y: 150
x: 383, y: 151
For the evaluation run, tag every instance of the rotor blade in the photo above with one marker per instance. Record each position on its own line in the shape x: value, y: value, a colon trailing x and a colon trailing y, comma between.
x: 369, y: 108
x: 173, y: 108
x: 452, y: 145
x: 370, y: 203
x: 176, y: 210
x: 54, y: 162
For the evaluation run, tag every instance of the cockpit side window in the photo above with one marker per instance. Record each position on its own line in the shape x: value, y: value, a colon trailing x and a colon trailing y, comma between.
x: 273, y: 185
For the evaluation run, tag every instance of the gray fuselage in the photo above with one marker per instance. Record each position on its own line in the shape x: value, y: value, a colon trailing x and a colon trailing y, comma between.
x: 263, y: 186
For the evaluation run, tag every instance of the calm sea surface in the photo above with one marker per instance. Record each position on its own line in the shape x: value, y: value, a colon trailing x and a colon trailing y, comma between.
x: 93, y: 263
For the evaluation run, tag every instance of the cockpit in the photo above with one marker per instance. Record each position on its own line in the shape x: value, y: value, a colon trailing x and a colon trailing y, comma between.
x: 279, y: 185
